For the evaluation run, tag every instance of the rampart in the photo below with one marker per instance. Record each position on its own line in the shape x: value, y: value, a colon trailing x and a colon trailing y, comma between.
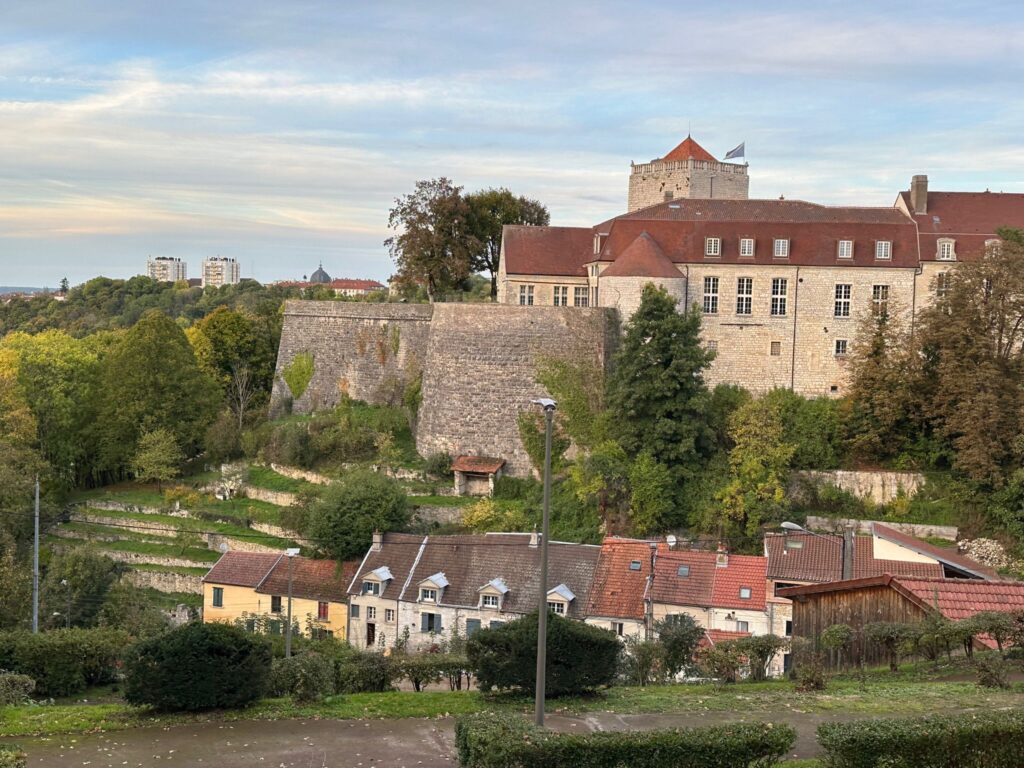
x: 477, y: 363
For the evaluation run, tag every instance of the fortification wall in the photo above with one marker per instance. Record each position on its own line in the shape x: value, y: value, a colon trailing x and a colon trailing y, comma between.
x: 480, y: 368
x: 367, y: 351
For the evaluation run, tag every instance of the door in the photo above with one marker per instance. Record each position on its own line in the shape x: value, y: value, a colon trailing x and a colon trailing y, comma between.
x: 371, y: 635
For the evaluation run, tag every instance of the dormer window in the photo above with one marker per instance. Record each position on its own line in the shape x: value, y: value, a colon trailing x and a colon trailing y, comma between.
x: 490, y: 601
x: 946, y: 249
x: 883, y: 250
x: 428, y: 595
x: 747, y: 247
x: 712, y: 246
x: 845, y: 249
x: 559, y: 599
x: 781, y: 250
x: 371, y: 587
x: 556, y: 606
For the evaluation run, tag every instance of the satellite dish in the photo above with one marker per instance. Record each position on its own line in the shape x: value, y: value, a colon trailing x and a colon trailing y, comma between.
x: 671, y: 540
x: 222, y: 547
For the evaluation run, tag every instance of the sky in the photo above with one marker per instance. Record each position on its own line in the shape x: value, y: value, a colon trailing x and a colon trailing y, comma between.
x: 280, y: 133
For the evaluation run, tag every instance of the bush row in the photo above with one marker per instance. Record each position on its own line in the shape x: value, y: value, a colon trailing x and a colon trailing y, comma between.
x: 987, y: 740
x: 490, y: 740
x: 15, y: 689
x: 11, y: 756
x: 65, y: 661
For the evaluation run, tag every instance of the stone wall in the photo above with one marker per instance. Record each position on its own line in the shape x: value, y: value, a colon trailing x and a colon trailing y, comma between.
x: 918, y: 530
x: 277, y: 498
x: 879, y: 487
x: 301, y: 474
x: 654, y: 182
x: 165, y: 581
x: 367, y: 351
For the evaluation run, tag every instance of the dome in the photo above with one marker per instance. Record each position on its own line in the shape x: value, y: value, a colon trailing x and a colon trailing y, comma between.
x: 320, y: 276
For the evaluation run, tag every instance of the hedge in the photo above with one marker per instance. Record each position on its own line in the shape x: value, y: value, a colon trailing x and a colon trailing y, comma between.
x: 490, y: 740
x: 11, y: 756
x: 65, y: 661
x: 986, y: 740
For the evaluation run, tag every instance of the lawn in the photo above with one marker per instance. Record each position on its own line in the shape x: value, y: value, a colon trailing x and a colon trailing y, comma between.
x: 265, y: 477
x: 876, y: 698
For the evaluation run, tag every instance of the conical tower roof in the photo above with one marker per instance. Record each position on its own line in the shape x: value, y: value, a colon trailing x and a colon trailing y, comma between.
x: 689, y: 149
x: 643, y: 258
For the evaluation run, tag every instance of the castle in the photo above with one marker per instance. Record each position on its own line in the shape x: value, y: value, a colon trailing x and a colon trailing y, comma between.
x: 782, y: 284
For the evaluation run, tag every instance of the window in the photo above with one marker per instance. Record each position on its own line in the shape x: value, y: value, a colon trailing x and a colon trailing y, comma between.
x: 472, y: 627
x: 561, y: 296
x: 618, y: 628
x: 883, y: 249
x: 879, y: 299
x: 371, y: 588
x: 580, y: 296
x: 490, y: 601
x: 712, y: 246
x: 353, y: 611
x: 274, y: 627
x: 744, y: 593
x: 946, y: 250
x: 275, y: 603
x: 635, y: 565
x: 428, y: 595
x: 776, y: 348
x: 843, y: 291
x: 389, y: 614
x: 781, y: 250
x: 941, y: 284
x: 841, y: 347
x: 742, y: 626
x: 744, y: 295
x: 526, y: 295
x: 747, y: 247
x: 371, y: 613
x: 323, y: 611
x: 218, y: 597
x: 779, y: 290
x: 710, y: 295
x: 557, y: 607
x: 250, y: 625
x: 669, y: 194
x: 683, y: 571
x: 712, y: 345
x: 845, y: 249
x: 430, y: 622
x: 789, y: 628
x: 319, y: 633
x: 495, y: 624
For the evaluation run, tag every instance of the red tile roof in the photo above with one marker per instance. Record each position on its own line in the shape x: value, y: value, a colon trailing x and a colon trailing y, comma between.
x: 707, y: 584
x: 770, y: 211
x: 643, y: 258
x: 689, y: 149
x: 242, y: 569
x: 356, y: 285
x: 547, y: 250
x: 713, y: 637
x: 970, y: 218
x: 950, y: 557
x: 486, y: 465
x: 819, y: 559
x: 618, y: 591
x: 311, y: 579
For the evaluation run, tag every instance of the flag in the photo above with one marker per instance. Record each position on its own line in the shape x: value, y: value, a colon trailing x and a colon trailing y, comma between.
x: 739, y: 151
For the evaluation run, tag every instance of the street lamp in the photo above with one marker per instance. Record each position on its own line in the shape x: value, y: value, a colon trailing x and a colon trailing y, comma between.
x: 845, y: 545
x: 291, y: 552
x: 542, y: 613
x: 67, y: 590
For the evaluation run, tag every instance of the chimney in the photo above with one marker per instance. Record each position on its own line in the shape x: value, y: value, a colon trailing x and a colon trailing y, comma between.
x: 722, y: 557
x: 378, y: 542
x: 919, y: 194
x: 533, y: 539
x: 848, y: 544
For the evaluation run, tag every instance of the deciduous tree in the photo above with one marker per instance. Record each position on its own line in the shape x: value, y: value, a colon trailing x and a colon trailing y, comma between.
x: 489, y: 211
x: 157, y: 458
x: 351, y: 509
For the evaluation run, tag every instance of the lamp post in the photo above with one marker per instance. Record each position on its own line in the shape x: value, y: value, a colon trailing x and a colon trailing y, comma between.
x: 845, y: 545
x: 542, y: 609
x: 291, y: 552
x: 67, y: 592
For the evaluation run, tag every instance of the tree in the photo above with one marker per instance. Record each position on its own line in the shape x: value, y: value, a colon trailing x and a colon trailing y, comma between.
x: 65, y: 286
x: 235, y: 348
x: 656, y: 392
x: 434, y: 246
x: 150, y: 380
x: 643, y: 661
x: 489, y: 211
x: 197, y: 666
x: 157, y: 458
x: 999, y: 625
x: 15, y: 585
x: 680, y: 636
x: 760, y: 651
x: 74, y: 588
x: 651, y: 495
x: 759, y: 467
x: 126, y: 607
x: 892, y: 637
x: 19, y: 467
x: 350, y: 510
x: 581, y: 657
x: 601, y: 477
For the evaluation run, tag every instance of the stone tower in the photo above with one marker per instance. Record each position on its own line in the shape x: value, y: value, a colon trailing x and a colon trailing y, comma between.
x: 689, y: 170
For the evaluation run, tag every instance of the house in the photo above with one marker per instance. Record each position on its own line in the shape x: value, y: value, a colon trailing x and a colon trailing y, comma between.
x: 781, y: 284
x: 620, y: 599
x: 253, y: 587
x: 422, y: 589
x: 895, y: 598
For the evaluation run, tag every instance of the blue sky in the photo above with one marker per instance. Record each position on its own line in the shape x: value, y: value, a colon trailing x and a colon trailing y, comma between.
x: 279, y: 133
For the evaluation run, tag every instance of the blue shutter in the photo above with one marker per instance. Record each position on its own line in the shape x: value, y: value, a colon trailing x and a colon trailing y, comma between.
x: 472, y: 625
x: 438, y: 627
x: 424, y: 619
x: 353, y: 611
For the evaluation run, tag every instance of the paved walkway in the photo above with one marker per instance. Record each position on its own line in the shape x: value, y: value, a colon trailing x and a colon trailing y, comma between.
x: 341, y: 743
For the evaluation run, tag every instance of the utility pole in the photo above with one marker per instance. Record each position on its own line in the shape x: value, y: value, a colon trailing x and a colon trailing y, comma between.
x: 35, y: 567
x: 288, y: 630
x: 67, y: 593
x: 542, y: 613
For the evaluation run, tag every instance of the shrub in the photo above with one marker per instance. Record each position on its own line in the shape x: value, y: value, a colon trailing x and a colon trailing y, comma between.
x: 760, y: 650
x: 439, y: 465
x: 350, y: 510
x: 680, y: 636
x: 307, y: 677
x: 65, y: 661
x: 642, y: 661
x: 422, y: 669
x: 580, y: 657
x: 721, y: 661
x: 490, y: 740
x: 197, y: 666
x: 894, y: 639
x: 999, y: 625
x: 11, y: 756
x: 365, y: 672
x: 992, y: 672
x: 810, y: 673
x: 15, y: 689
x: 298, y: 373
x: 963, y: 740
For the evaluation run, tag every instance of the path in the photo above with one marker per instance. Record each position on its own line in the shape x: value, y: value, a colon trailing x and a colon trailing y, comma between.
x: 342, y: 743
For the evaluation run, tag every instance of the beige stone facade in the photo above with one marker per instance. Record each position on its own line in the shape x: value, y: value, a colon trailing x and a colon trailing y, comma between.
x: 662, y: 180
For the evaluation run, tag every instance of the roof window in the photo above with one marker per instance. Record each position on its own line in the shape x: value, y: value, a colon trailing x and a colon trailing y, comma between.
x: 683, y: 571
x: 745, y: 593
x: 634, y: 565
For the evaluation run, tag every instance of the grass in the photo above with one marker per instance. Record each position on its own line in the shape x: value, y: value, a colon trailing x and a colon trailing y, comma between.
x: 767, y: 699
x: 265, y: 477
x: 188, y: 524
x: 442, y: 501
x: 184, y: 570
x: 151, y: 548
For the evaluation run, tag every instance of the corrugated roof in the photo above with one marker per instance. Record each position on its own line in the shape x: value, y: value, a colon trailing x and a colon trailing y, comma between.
x: 324, y: 580
x: 242, y: 569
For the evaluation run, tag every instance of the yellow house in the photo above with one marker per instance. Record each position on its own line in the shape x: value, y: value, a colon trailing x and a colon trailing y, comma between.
x: 253, y: 587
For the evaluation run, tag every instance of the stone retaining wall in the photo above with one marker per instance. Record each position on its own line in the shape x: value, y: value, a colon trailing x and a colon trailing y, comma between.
x: 918, y: 530
x: 140, y: 526
x: 164, y: 581
x: 215, y: 540
x: 433, y: 514
x: 136, y: 557
x: 879, y: 487
x: 281, y: 533
x: 301, y: 474
x: 277, y: 498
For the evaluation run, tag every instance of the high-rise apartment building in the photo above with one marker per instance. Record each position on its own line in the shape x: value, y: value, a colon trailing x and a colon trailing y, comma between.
x: 221, y: 270
x: 167, y: 269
